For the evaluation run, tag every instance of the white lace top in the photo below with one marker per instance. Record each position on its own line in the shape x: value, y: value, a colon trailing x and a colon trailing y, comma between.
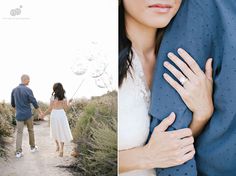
x: 133, y: 122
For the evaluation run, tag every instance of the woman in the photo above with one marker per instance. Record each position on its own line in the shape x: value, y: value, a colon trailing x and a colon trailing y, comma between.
x: 59, y: 126
x: 140, y: 31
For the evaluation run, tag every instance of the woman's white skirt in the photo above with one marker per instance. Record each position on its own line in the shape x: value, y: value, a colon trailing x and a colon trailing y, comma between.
x: 59, y: 126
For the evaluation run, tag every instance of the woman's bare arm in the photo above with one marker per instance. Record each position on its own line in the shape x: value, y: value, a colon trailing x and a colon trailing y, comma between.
x: 49, y: 109
x: 164, y: 149
x: 67, y: 104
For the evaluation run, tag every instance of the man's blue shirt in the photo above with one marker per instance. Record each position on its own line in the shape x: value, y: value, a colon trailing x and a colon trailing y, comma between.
x: 21, y: 98
x: 205, y: 29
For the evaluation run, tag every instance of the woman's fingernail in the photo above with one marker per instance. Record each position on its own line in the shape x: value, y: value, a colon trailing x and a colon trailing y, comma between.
x: 180, y: 50
x: 172, y: 114
x: 211, y: 60
x: 170, y: 54
x: 166, y: 63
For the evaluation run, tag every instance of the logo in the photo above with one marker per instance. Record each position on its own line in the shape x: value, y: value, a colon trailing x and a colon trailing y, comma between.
x: 16, y: 11
x: 16, y: 14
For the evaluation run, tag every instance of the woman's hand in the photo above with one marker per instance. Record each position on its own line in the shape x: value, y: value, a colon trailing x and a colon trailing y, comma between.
x: 164, y: 149
x: 197, y: 86
x: 169, y: 148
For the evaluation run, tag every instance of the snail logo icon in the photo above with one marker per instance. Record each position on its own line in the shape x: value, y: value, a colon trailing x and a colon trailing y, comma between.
x: 16, y: 11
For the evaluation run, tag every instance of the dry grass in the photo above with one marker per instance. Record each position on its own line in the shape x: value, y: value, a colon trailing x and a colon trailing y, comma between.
x: 7, y: 122
x: 95, y: 132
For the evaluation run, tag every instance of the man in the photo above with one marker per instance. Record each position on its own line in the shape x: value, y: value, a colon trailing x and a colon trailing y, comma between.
x: 21, y: 99
x: 205, y: 29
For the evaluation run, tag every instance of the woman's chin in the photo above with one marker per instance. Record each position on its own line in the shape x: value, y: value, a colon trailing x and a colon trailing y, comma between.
x: 160, y: 23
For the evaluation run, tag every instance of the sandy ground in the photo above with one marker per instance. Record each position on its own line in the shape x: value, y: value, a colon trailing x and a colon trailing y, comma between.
x: 42, y: 163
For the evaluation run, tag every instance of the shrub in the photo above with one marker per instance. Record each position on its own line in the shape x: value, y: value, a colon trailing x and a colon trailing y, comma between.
x: 95, y: 133
x: 7, y: 121
x: 75, y: 111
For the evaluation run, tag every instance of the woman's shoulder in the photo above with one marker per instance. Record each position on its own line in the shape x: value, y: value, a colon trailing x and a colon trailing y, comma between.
x: 56, y: 99
x: 65, y: 99
x: 52, y: 98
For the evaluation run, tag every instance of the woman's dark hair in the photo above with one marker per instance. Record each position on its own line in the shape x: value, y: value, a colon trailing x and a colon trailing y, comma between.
x: 125, y: 45
x: 58, y: 91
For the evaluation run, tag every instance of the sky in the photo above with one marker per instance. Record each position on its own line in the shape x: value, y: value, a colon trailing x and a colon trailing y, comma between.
x: 57, y: 41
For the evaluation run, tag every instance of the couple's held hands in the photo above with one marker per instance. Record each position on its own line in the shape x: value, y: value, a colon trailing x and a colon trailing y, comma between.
x: 196, y: 86
x: 41, y: 115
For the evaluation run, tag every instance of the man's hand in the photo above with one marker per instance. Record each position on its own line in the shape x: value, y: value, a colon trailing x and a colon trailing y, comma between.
x: 41, y: 116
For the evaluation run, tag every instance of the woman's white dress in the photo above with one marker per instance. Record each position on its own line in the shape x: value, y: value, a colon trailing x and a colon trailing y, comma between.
x: 134, y: 121
x: 59, y: 126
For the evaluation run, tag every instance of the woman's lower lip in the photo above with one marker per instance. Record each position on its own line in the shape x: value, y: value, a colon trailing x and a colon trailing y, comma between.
x: 161, y: 9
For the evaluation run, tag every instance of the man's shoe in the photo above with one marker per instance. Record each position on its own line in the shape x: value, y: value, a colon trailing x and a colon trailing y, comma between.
x: 19, y: 154
x: 34, y: 149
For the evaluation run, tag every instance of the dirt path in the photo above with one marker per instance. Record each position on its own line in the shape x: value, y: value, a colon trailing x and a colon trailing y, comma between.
x: 42, y: 163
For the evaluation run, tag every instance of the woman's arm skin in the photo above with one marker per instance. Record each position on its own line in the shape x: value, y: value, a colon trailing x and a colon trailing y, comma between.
x: 196, y: 91
x: 40, y: 113
x: 49, y: 109
x: 68, y: 104
x: 197, y: 124
x: 164, y: 149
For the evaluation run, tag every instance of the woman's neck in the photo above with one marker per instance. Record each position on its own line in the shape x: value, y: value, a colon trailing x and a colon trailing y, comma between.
x: 143, y: 38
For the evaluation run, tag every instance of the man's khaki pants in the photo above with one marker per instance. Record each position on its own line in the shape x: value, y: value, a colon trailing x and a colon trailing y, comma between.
x: 19, y: 136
